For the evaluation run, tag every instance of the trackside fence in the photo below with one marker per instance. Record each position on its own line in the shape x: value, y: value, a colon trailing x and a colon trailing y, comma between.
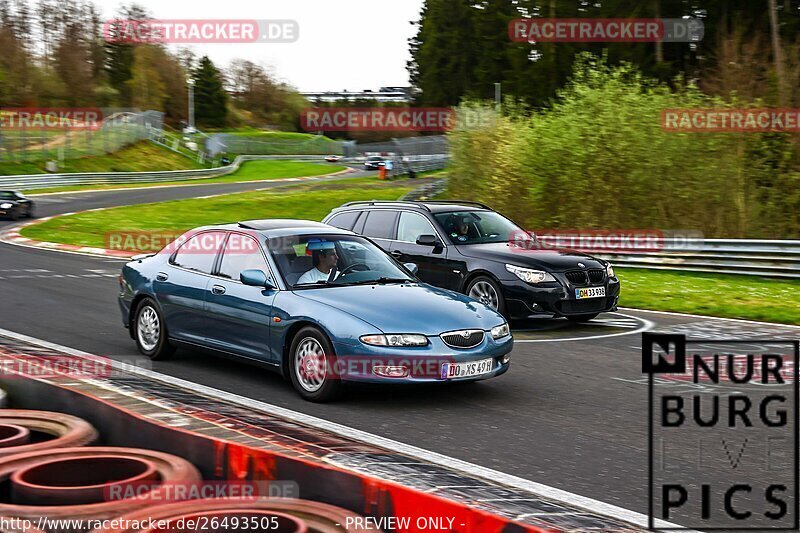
x: 767, y: 258
x: 42, y: 181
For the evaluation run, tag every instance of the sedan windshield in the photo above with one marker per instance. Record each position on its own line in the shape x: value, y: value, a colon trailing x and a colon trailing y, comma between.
x: 7, y: 195
x: 479, y: 227
x: 333, y: 260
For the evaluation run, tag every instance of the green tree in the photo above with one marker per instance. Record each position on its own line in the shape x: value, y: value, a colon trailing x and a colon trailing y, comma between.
x: 443, y: 52
x: 209, y: 95
x: 147, y: 89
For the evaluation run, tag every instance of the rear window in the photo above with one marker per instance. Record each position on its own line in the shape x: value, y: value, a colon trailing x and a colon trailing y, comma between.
x: 344, y: 220
x: 380, y: 224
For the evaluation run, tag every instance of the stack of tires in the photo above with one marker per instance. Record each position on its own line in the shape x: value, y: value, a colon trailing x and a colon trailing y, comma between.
x: 49, y: 469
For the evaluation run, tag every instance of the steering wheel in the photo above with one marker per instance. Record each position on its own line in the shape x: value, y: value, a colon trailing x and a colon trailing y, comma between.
x: 352, y: 268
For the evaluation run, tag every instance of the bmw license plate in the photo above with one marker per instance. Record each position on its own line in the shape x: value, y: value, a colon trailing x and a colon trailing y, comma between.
x: 467, y: 370
x: 591, y: 292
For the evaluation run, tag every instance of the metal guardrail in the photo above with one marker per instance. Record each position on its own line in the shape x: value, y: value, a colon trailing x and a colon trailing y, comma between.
x: 767, y: 258
x: 43, y: 181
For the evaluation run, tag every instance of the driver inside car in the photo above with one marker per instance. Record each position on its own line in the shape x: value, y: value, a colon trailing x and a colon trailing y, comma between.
x: 460, y: 228
x: 324, y: 258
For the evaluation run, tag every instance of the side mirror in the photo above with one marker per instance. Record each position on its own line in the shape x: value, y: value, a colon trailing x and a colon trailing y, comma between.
x: 255, y: 278
x: 411, y: 267
x: 427, y: 240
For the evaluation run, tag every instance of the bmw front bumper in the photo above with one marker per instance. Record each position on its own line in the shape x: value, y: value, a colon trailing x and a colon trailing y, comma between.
x: 555, y: 299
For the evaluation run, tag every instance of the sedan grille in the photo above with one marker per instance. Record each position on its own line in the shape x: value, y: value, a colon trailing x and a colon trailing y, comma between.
x: 468, y: 338
x: 576, y: 277
x: 597, y: 275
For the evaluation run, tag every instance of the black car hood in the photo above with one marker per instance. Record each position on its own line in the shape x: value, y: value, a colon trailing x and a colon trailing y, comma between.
x: 551, y: 259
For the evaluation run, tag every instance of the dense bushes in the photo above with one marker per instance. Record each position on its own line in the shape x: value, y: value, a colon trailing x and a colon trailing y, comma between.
x: 598, y: 158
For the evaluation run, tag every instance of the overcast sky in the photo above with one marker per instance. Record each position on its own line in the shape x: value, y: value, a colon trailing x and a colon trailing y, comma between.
x: 343, y: 44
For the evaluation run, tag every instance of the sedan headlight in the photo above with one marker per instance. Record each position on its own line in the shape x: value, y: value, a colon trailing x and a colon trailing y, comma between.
x: 498, y: 332
x: 395, y: 339
x: 530, y: 276
x: 610, y: 270
x: 6, y: 206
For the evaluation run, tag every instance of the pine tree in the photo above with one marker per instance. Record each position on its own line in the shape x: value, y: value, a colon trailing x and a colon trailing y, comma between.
x: 209, y: 95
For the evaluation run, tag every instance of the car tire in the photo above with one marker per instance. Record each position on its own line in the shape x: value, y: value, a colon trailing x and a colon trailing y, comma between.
x: 582, y: 318
x: 314, y: 382
x: 153, y: 344
x: 14, y: 214
x: 486, y: 290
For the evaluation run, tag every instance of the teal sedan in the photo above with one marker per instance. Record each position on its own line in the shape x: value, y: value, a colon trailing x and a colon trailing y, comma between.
x: 321, y: 305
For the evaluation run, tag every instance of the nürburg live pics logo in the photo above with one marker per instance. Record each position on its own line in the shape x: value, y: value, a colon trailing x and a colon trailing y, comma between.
x: 723, y: 433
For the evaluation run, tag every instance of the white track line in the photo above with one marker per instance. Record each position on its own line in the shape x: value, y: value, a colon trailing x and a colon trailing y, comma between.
x: 488, y: 474
x: 646, y: 326
x: 672, y: 313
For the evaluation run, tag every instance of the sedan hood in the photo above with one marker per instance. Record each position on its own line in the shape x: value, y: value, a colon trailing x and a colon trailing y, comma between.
x: 410, y: 308
x: 551, y: 259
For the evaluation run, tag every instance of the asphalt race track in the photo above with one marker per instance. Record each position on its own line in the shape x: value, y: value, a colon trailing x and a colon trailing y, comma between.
x: 571, y: 413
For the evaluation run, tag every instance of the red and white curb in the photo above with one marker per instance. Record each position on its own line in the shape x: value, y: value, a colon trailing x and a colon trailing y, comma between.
x: 12, y: 236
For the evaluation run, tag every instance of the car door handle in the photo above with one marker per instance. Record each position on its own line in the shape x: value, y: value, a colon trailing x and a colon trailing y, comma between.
x: 161, y: 276
x: 218, y: 289
x: 397, y: 253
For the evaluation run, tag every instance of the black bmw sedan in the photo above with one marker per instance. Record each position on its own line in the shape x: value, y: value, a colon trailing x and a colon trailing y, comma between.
x: 469, y: 248
x: 15, y: 205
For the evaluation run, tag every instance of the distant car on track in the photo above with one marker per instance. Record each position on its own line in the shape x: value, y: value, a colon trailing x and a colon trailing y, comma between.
x: 333, y: 158
x: 467, y: 247
x: 249, y: 290
x: 15, y: 205
x: 374, y: 162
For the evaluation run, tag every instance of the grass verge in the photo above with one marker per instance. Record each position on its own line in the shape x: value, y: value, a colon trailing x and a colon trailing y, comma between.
x: 140, y: 157
x: 307, y: 201
x: 249, y: 171
x: 722, y: 295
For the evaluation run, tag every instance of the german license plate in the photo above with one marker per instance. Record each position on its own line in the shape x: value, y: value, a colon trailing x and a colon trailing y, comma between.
x: 591, y: 292
x: 467, y: 370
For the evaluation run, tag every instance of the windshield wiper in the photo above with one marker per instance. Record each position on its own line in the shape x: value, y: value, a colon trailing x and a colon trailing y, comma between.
x: 379, y: 281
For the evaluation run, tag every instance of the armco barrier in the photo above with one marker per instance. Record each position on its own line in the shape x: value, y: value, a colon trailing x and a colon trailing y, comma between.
x: 42, y: 181
x: 767, y: 258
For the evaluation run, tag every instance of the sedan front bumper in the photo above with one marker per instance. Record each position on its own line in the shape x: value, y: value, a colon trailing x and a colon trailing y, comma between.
x: 554, y: 300
x: 362, y: 363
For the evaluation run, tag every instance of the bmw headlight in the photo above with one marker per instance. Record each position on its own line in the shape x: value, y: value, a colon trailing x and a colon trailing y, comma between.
x: 498, y: 332
x: 530, y: 276
x: 395, y: 339
x: 6, y: 206
x: 610, y: 270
